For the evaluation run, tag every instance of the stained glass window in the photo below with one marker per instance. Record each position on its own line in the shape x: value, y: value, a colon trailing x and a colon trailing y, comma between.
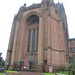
x: 34, y: 21
x: 29, y: 37
x: 33, y: 40
x: 37, y: 40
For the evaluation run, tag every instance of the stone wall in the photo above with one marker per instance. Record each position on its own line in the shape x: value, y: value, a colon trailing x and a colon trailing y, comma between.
x: 71, y: 44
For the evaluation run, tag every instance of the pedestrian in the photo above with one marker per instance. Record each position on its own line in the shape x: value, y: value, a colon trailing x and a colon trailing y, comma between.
x: 22, y: 68
x: 25, y: 68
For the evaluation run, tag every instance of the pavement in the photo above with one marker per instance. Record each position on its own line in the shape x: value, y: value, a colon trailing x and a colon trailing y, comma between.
x: 30, y: 73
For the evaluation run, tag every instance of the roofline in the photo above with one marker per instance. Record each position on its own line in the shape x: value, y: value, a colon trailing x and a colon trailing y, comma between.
x: 71, y: 39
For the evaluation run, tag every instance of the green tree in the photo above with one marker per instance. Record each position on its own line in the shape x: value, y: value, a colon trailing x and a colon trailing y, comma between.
x: 0, y: 53
x: 0, y: 56
x: 72, y: 65
x: 2, y: 62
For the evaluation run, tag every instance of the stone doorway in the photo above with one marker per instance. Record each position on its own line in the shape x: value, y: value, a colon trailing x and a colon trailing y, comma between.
x: 31, y: 62
x: 32, y: 65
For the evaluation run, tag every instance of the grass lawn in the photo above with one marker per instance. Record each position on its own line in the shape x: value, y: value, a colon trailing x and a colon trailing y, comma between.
x: 49, y: 73
x: 61, y: 72
x: 12, y: 71
x: 9, y: 72
x: 1, y: 73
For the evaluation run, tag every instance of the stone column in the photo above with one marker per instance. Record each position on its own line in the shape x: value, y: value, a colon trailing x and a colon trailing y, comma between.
x: 40, y: 45
x: 31, y: 40
x: 8, y: 56
x: 21, y: 49
x: 49, y: 50
x: 11, y: 37
x: 14, y: 47
x: 62, y: 45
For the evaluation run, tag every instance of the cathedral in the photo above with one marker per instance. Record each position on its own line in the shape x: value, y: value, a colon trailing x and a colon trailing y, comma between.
x: 39, y: 37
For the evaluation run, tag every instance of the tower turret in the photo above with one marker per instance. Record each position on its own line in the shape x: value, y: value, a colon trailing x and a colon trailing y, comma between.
x: 47, y: 3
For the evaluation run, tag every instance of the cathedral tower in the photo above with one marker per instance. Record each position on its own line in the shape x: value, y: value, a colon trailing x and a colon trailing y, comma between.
x: 39, y: 37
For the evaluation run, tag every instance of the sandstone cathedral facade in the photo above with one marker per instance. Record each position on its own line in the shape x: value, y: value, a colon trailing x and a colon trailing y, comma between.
x: 39, y: 37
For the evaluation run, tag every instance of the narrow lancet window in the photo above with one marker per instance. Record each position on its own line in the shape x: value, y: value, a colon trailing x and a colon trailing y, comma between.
x: 29, y: 38
x: 37, y: 40
x: 33, y: 40
x: 71, y: 50
x: 74, y: 49
x: 47, y: 3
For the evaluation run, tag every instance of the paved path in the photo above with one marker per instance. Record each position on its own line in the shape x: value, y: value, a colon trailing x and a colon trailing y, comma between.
x: 30, y: 73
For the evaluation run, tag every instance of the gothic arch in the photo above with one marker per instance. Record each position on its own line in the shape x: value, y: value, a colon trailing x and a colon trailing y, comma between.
x: 32, y: 36
x: 31, y: 13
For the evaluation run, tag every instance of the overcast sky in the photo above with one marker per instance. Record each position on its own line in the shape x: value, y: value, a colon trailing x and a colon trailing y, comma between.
x: 8, y: 8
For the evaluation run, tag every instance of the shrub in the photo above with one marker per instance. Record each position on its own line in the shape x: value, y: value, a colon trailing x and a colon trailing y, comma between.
x: 62, y: 68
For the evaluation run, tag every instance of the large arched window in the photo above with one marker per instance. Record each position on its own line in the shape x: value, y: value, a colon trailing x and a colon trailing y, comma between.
x: 34, y: 21
x: 33, y: 27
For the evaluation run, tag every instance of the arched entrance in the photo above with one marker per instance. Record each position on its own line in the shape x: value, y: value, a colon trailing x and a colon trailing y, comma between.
x: 31, y: 62
x: 32, y: 24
